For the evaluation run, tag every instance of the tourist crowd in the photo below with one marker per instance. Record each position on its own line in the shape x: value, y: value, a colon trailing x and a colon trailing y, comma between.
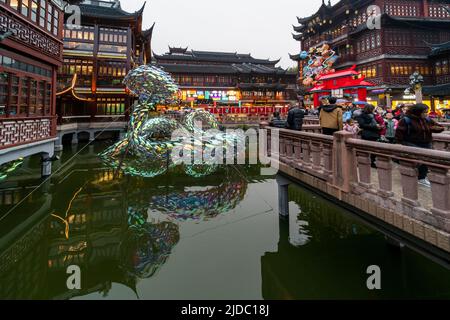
x: 409, y: 125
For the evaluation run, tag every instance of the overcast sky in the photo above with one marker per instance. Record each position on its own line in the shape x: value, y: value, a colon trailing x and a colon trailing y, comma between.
x: 260, y: 27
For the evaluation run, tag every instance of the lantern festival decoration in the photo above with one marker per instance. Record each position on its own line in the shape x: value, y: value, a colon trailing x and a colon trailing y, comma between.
x: 147, y: 148
x: 320, y: 62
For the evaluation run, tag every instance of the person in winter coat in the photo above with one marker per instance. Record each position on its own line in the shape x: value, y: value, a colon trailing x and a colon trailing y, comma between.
x: 295, y: 118
x: 277, y: 122
x: 370, y: 129
x: 352, y: 127
x: 380, y: 120
x: 416, y: 130
x: 391, y: 127
x: 330, y: 117
x: 400, y: 111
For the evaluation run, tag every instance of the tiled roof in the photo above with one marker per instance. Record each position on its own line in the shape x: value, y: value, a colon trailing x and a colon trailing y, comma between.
x: 209, y: 56
x: 197, y: 68
x: 102, y: 11
x: 437, y: 90
x: 437, y: 49
x: 245, y: 68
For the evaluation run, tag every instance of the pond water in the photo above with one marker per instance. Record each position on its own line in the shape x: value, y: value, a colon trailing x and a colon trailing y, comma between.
x: 179, y: 237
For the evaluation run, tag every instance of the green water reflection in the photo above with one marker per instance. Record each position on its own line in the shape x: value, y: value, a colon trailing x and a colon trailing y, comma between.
x: 177, y: 237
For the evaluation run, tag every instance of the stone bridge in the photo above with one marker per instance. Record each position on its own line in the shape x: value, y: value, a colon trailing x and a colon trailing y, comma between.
x: 339, y: 167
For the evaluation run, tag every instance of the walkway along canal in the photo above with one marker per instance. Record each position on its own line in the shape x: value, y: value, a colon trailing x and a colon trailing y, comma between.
x: 340, y: 168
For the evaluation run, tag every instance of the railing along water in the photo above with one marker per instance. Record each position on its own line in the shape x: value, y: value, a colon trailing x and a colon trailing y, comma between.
x: 340, y: 165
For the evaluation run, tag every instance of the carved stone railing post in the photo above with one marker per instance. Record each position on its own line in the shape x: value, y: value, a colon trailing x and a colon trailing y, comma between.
x: 327, y: 151
x: 408, y: 172
x: 440, y: 191
x: 384, y: 166
x: 342, y: 161
x: 282, y: 151
x: 316, y: 156
x: 306, y: 156
x: 289, y: 150
x: 297, y: 153
x: 364, y: 169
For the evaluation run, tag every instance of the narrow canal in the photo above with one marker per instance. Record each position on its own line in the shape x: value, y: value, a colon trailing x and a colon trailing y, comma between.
x: 179, y: 237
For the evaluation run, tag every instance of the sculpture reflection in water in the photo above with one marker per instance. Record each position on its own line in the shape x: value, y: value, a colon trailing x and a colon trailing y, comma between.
x: 146, y: 246
x: 200, y: 204
x: 8, y: 168
x: 149, y: 143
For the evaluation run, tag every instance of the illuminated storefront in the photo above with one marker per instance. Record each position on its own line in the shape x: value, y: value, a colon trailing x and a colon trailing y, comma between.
x: 214, y: 79
x: 201, y: 96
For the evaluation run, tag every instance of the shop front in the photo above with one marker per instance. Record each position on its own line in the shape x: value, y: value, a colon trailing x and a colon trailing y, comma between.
x: 348, y: 84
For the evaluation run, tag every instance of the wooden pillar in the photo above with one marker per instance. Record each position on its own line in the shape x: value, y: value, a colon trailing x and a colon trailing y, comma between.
x: 52, y: 100
x: 316, y: 100
x: 425, y: 9
x: 362, y: 94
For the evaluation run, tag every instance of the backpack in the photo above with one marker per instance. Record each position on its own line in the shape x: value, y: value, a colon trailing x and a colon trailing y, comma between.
x: 408, y: 122
x: 347, y: 116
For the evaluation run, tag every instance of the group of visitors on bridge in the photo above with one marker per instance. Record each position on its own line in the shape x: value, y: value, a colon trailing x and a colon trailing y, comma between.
x: 409, y: 125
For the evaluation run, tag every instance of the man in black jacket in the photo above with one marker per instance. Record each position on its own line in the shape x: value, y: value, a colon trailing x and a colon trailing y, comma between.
x: 277, y: 122
x: 295, y: 118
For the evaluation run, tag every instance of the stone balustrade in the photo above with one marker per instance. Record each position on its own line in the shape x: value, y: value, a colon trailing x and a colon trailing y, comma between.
x: 311, y: 120
x: 340, y: 166
x: 446, y: 125
x: 314, y: 120
x: 312, y: 128
x: 441, y: 142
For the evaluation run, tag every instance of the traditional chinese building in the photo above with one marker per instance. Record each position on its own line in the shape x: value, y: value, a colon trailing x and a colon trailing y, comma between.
x: 97, y: 56
x: 30, y: 54
x: 440, y: 91
x: 341, y: 83
x: 221, y: 78
x: 387, y: 39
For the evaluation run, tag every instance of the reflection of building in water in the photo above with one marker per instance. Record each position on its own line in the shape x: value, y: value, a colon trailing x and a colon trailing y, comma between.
x: 91, y: 230
x: 324, y: 214
x: 21, y: 272
x: 333, y: 263
x: 89, y: 224
x: 298, y: 231
x: 316, y: 253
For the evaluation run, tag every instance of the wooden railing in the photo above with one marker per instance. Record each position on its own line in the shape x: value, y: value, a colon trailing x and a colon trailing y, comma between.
x: 343, y: 164
x: 20, y: 131
x: 88, y: 118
